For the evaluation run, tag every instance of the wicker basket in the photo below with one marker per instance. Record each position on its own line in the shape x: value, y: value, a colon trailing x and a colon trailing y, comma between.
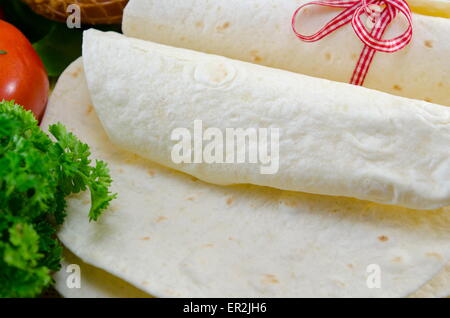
x: 92, y: 11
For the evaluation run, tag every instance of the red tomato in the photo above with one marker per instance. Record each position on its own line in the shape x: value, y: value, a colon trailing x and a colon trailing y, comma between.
x: 22, y: 73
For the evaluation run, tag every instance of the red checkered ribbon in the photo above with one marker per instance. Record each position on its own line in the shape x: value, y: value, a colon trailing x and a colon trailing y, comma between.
x: 380, y: 13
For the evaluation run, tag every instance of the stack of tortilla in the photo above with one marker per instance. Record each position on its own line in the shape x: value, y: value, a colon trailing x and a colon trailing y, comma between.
x: 359, y: 205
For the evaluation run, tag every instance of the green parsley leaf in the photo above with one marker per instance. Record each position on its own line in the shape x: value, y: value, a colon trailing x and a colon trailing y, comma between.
x: 36, y: 175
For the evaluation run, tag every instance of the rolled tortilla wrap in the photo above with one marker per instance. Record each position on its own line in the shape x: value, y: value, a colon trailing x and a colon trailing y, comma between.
x: 323, y: 137
x: 259, y: 31
x: 169, y: 234
x: 437, y: 8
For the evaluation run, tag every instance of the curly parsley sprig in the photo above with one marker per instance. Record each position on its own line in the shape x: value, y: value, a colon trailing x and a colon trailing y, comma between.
x: 36, y: 175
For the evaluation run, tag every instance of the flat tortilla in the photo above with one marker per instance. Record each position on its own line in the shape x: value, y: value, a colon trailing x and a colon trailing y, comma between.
x: 259, y: 31
x: 94, y: 282
x: 97, y: 283
x: 171, y: 235
x: 439, y: 286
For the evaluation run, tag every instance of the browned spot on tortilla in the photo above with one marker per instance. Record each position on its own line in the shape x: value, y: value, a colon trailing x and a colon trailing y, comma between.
x: 145, y: 283
x: 151, y: 172
x: 86, y: 201
x: 194, y: 179
x: 220, y: 75
x: 428, y: 43
x: 113, y: 207
x: 383, y: 238
x: 231, y: 238
x: 190, y: 198
x: 132, y: 159
x: 270, y: 279
x: 230, y: 200
x: 223, y: 26
x: 208, y: 245
x: 89, y: 110
x: 76, y: 72
x: 146, y: 238
x: 397, y: 259
x: 354, y: 56
x: 160, y: 219
x: 428, y: 100
x: 434, y: 254
x: 255, y: 56
x: 199, y: 24
x: 339, y: 283
x: 291, y: 203
x: 397, y: 87
x: 328, y: 56
x: 350, y: 265
x: 182, y: 38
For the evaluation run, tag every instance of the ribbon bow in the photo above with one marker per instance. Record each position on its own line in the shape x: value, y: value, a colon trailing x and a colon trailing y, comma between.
x: 380, y: 14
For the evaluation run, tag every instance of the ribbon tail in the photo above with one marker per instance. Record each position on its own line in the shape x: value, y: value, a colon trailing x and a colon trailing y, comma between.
x: 366, y: 57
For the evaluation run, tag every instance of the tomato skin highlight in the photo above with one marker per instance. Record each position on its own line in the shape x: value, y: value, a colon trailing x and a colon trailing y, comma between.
x: 22, y: 74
